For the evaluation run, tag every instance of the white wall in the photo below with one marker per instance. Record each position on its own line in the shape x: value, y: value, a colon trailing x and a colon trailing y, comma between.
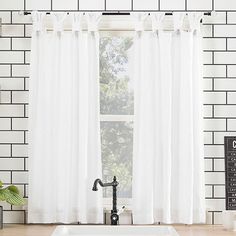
x: 219, y: 80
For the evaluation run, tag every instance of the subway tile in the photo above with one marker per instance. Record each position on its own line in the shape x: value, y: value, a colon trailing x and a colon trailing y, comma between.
x: 20, y: 150
x: 27, y: 57
x: 219, y: 165
x: 219, y: 191
x: 207, y: 110
x: 206, y: 30
x: 28, y: 30
x: 218, y: 220
x: 5, y: 150
x: 6, y: 206
x: 11, y: 137
x: 5, y: 43
x: 19, y: 208
x: 215, y: 151
x: 207, y: 57
x: 172, y: 5
x: 215, y: 124
x: 231, y: 43
x: 207, y: 84
x: 5, y: 97
x: 225, y: 84
x: 11, y: 83
x: 27, y: 83
x: 231, y: 18
x: 199, y: 5
x: 20, y: 70
x: 20, y: 96
x: 5, y: 16
x: 231, y: 70
x: 225, y: 5
x: 26, y: 137
x: 208, y: 191
x: 207, y: 137
x: 232, y: 124
x: 217, y: 18
x: 38, y: 5
x: 5, y: 176
x: 91, y: 5
x: 214, y: 177
x: 26, y: 110
x: 232, y: 97
x: 5, y: 70
x: 208, y: 164
x: 11, y: 57
x: 145, y: 5
x: 11, y: 110
x: 214, y: 70
x: 65, y: 5
x: 12, y: 5
x: 214, y: 97
x: 19, y: 18
x: 12, y: 163
x: 11, y: 217
x: 118, y: 5
x: 5, y: 124
x: 225, y: 57
x: 214, y: 44
x: 26, y: 163
x: 21, y: 43
x: 20, y: 123
x: 219, y: 136
x: 19, y: 177
x: 225, y: 110
x: 208, y: 217
x: 225, y: 30
x: 12, y: 30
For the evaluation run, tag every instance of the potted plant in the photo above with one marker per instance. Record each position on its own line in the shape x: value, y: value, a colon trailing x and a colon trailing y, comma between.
x: 12, y: 196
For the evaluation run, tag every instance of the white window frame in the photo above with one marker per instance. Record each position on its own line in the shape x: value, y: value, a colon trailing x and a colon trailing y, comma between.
x: 117, y: 28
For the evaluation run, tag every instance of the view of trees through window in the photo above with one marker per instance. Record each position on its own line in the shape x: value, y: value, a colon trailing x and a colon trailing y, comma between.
x: 116, y: 106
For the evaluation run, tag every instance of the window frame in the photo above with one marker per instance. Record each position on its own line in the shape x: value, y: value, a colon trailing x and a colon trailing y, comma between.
x: 113, y: 31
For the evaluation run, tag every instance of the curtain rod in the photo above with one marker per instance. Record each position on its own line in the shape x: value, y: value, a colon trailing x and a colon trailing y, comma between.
x: 119, y: 13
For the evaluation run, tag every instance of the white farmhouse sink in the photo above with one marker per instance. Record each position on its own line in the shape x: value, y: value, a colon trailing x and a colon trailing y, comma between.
x: 102, y: 230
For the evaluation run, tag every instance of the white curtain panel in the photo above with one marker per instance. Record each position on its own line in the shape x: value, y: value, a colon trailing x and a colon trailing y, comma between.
x: 65, y: 150
x: 168, y: 171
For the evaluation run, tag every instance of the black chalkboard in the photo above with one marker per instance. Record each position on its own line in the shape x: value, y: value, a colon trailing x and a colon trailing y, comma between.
x: 230, y: 172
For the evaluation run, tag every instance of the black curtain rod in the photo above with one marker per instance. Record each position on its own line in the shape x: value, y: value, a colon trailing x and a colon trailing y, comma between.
x: 120, y: 13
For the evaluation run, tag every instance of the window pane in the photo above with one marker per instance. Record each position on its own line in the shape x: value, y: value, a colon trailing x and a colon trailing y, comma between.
x: 117, y: 151
x: 116, y: 92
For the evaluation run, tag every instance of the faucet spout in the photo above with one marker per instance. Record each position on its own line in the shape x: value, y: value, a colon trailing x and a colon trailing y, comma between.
x: 95, y: 184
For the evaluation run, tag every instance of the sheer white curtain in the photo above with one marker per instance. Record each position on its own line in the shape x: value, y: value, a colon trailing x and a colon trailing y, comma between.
x: 168, y: 172
x: 65, y: 155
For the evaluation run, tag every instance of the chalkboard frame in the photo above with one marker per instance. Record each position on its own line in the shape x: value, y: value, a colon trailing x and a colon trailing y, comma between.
x: 228, y: 188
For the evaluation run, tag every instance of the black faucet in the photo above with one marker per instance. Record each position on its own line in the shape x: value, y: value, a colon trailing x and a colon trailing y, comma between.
x: 114, y: 183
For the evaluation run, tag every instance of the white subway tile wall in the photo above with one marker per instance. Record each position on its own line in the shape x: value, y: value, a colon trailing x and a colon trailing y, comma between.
x: 219, y: 44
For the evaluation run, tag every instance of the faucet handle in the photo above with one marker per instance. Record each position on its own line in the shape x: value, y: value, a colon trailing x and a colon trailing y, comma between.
x: 121, y: 210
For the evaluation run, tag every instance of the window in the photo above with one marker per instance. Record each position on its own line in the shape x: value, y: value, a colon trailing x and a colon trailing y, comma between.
x: 116, y: 106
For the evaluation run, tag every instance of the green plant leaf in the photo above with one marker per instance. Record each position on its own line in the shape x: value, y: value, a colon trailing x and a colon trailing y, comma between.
x: 1, y: 184
x: 13, y: 188
x: 2, y: 196
x: 13, y: 198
